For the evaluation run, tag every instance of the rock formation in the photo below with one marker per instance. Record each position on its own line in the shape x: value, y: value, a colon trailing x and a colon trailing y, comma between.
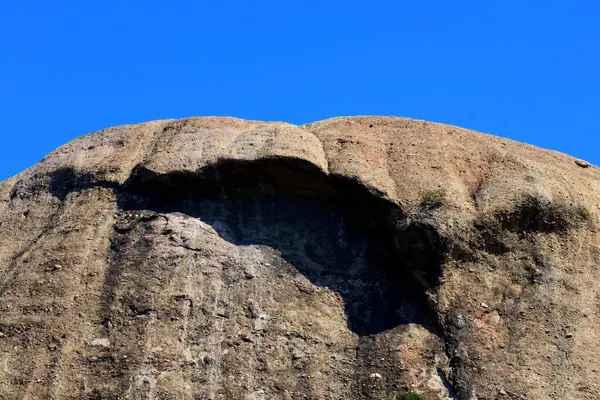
x: 352, y: 258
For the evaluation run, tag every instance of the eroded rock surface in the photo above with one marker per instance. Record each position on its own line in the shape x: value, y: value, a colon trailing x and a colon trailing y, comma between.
x: 352, y: 258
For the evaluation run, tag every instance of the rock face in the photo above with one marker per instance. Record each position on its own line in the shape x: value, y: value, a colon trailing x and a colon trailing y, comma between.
x: 352, y: 258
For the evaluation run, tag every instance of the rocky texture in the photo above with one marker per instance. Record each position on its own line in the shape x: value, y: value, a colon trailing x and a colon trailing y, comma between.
x: 352, y: 258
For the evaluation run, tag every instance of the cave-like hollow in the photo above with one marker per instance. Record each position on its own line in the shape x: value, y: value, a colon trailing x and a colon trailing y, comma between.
x: 320, y: 223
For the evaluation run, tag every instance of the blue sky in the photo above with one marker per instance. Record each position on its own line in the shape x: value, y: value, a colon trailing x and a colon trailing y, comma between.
x: 526, y: 70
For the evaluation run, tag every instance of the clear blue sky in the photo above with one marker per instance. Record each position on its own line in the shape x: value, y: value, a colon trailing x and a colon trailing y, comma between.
x: 526, y: 70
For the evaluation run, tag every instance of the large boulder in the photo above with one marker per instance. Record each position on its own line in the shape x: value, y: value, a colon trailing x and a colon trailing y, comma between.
x: 351, y: 258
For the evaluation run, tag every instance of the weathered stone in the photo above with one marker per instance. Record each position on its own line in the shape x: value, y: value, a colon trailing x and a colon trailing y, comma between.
x: 100, y: 342
x: 222, y: 258
x: 582, y: 164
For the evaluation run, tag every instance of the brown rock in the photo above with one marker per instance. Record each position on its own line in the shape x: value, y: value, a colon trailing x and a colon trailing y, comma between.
x: 583, y: 164
x: 363, y: 249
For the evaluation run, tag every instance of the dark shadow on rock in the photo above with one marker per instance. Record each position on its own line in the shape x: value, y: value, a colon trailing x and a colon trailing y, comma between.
x: 67, y: 180
x: 333, y: 230
x: 538, y: 215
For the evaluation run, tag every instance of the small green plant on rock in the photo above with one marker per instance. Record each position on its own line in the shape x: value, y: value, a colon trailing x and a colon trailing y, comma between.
x: 434, y: 198
x: 408, y: 396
